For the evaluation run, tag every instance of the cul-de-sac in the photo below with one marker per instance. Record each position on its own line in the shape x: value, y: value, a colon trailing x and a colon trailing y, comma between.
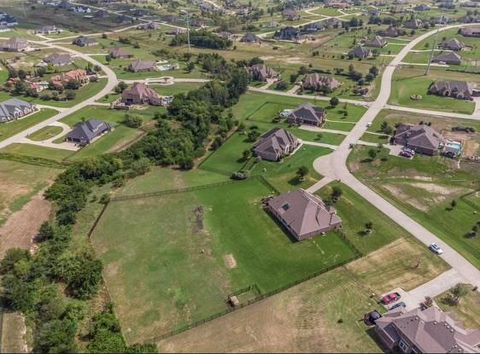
x: 240, y: 176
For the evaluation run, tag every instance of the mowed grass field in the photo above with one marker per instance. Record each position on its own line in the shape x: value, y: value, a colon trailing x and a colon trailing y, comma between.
x: 178, y: 242
x: 408, y: 81
x: 14, y: 127
x: 19, y: 183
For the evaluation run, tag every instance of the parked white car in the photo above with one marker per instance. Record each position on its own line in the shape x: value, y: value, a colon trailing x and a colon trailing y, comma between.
x: 435, y: 248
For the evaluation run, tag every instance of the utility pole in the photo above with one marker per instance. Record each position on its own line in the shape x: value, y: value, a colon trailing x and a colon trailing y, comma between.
x: 431, y: 53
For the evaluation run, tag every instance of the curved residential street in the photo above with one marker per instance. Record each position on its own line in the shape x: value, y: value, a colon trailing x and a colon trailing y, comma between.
x: 334, y: 167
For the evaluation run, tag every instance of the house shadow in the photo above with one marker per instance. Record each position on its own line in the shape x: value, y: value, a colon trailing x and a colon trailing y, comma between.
x: 374, y: 336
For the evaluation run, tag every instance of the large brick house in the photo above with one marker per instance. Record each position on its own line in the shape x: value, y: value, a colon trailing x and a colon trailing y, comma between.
x: 307, y: 114
x: 14, y: 108
x: 453, y: 88
x: 78, y: 75
x: 275, y: 145
x: 262, y: 72
x: 140, y: 93
x: 304, y: 215
x: 427, y: 331
x: 420, y: 138
x: 320, y: 82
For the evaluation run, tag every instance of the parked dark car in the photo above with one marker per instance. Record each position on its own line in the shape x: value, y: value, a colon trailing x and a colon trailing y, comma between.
x: 370, y: 318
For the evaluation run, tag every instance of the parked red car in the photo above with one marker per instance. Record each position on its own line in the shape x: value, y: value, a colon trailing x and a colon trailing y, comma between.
x: 389, y: 298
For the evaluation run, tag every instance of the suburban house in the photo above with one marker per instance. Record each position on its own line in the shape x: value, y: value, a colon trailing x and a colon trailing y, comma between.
x: 422, y: 7
x: 78, y: 75
x: 319, y: 82
x: 140, y: 93
x: 290, y: 15
x: 420, y: 138
x: 250, y: 38
x: 452, y: 44
x: 360, y: 52
x: 470, y: 31
x: 452, y: 88
x: 427, y: 331
x: 120, y: 53
x: 303, y: 214
x: 275, y: 144
x: 15, y: 109
x: 261, y: 72
x: 313, y: 27
x: 333, y: 23
x: 391, y: 32
x: 288, y: 34
x: 376, y: 42
x: 149, y: 26
x: 58, y: 59
x: 83, y: 41
x: 84, y: 133
x: 450, y: 58
x: 142, y: 65
x: 414, y: 23
x: 14, y: 44
x: 49, y: 30
x: 307, y: 114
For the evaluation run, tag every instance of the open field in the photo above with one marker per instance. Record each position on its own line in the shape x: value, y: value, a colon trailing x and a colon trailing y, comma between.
x: 321, y: 315
x: 36, y: 151
x: 20, y: 182
x: 194, y: 240
x: 409, y: 81
x: 424, y: 189
x: 14, y: 127
x: 45, y: 133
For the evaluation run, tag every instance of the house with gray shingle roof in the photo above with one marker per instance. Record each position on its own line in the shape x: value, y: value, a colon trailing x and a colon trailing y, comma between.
x: 288, y: 34
x: 450, y: 58
x: 470, y: 31
x: 420, y: 138
x: 275, y: 144
x: 84, y: 133
x: 142, y: 65
x: 452, y: 44
x: 120, y: 53
x: 376, y: 42
x: 290, y: 15
x: 83, y: 41
x: 414, y: 23
x: 307, y: 114
x: 14, y: 108
x: 452, y: 88
x: 304, y: 215
x: 360, y: 52
x: 14, y: 44
x: 427, y: 331
x: 58, y: 59
x: 250, y: 38
x: 320, y: 82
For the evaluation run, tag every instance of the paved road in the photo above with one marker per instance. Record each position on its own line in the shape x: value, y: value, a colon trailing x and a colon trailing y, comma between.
x: 112, y: 81
x: 474, y: 116
x: 334, y: 167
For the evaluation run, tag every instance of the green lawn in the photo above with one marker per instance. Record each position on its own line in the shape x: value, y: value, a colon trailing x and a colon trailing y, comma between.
x: 424, y: 188
x: 180, y: 254
x: 411, y: 81
x: 38, y: 151
x: 17, y: 126
x: 45, y: 133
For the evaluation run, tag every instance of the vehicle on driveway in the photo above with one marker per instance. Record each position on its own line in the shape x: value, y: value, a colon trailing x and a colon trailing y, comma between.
x: 390, y: 298
x: 370, y: 318
x: 399, y: 305
x: 435, y: 248
x: 408, y: 153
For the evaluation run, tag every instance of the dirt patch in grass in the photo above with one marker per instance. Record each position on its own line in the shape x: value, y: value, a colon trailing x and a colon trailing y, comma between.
x: 398, y: 191
x: 403, y: 263
x: 13, y: 333
x: 471, y: 148
x: 197, y: 222
x: 438, y: 188
x: 22, y: 226
x: 230, y: 261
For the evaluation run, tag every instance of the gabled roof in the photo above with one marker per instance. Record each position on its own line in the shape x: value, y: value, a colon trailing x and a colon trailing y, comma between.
x: 15, y: 43
x: 413, y: 23
x: 317, y: 80
x: 89, y: 130
x: 422, y: 136
x: 8, y: 107
x: 140, y: 91
x: 82, y: 40
x: 262, y: 71
x: 303, y: 212
x: 119, y: 53
x: 309, y: 113
x: 430, y: 331
x: 360, y: 52
x: 448, y: 57
x: 58, y: 59
x: 139, y: 65
x: 250, y: 38
x: 376, y: 42
x: 452, y: 44
x: 275, y: 141
x: 452, y: 86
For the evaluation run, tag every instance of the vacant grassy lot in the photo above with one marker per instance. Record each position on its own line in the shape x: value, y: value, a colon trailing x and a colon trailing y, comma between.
x: 57, y: 155
x: 17, y: 126
x: 45, y: 133
x: 424, y: 189
x: 19, y: 183
x: 466, y: 312
x: 410, y: 81
x: 178, y: 251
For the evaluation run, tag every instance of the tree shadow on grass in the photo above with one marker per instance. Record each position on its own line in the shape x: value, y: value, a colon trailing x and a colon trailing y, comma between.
x: 295, y: 181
